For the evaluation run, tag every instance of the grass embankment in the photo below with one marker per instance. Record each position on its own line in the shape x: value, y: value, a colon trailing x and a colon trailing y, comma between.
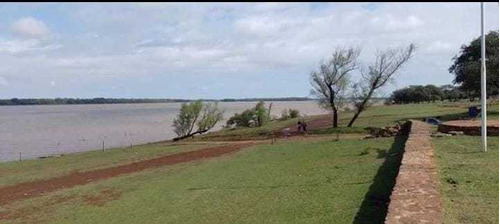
x: 376, y: 116
x: 37, y: 169
x: 289, y: 182
x: 468, y: 179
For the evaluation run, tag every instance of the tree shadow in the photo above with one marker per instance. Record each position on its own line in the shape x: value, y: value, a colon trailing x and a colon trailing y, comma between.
x: 381, y: 153
x: 376, y: 201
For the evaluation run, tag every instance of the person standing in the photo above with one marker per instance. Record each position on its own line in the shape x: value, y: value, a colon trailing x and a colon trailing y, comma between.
x: 299, y: 127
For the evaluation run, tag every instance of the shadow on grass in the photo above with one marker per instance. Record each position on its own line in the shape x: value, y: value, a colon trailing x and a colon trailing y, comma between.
x: 374, y: 206
x: 338, y: 130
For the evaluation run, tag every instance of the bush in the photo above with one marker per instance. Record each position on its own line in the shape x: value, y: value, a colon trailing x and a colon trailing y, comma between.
x: 293, y: 113
x: 245, y: 119
x: 284, y: 115
x: 261, y: 116
x: 289, y: 113
x: 256, y: 116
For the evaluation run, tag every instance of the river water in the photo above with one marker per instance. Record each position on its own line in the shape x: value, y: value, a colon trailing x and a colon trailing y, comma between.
x: 35, y: 131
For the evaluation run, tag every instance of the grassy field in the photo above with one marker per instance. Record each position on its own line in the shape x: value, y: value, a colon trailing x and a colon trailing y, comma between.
x: 36, y: 169
x: 295, y: 180
x: 299, y: 182
x: 468, y: 179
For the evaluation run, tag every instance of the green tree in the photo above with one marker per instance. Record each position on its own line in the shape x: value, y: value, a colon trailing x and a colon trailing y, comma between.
x: 467, y: 66
x: 435, y: 92
x: 261, y: 115
x: 204, y: 116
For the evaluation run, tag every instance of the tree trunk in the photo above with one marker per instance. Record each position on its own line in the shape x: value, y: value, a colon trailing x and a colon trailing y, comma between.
x: 189, y: 135
x: 269, y: 110
x: 335, y: 118
x: 360, y: 108
x: 353, y: 119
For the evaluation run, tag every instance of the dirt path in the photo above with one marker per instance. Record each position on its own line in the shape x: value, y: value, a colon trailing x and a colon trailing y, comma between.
x: 38, y: 188
x: 469, y: 127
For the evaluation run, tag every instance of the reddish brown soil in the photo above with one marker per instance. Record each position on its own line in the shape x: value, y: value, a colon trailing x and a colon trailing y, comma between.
x: 469, y: 127
x: 323, y: 121
x: 30, y: 214
x: 26, y: 212
x: 37, y: 188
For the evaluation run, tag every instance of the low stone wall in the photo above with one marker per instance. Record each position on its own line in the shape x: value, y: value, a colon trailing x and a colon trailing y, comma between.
x: 469, y: 127
x: 415, y: 197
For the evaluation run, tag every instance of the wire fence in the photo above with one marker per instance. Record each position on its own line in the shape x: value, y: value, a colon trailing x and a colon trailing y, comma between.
x: 15, y: 150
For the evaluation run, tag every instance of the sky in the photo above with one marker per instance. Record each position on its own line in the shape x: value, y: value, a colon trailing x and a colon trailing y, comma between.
x: 218, y: 50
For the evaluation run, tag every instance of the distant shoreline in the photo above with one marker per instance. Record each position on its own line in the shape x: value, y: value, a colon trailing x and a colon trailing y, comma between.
x: 79, y: 101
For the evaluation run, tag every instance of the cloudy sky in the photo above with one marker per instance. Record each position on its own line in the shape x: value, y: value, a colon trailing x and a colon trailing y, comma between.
x: 219, y: 50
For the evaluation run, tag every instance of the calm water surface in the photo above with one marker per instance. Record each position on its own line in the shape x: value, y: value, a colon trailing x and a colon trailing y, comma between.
x: 36, y: 131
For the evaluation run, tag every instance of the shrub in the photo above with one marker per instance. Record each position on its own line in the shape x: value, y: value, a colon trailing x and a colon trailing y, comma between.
x: 293, y: 113
x: 284, y: 115
x: 261, y: 116
x: 245, y: 119
x: 256, y: 116
x: 289, y: 113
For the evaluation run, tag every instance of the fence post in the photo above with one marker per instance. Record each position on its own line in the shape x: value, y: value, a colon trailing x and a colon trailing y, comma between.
x: 103, y: 146
x: 20, y: 158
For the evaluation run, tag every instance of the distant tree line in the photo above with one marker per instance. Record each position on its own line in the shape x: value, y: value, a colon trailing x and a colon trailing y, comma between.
x: 56, y: 101
x: 427, y: 93
x: 467, y: 70
x: 31, y: 101
x: 269, y: 99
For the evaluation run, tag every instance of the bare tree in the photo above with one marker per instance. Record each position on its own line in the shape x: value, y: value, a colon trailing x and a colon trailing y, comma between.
x: 332, y: 78
x: 386, y: 65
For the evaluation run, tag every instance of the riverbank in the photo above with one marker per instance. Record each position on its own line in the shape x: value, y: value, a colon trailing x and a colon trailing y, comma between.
x: 38, y: 131
x: 293, y: 179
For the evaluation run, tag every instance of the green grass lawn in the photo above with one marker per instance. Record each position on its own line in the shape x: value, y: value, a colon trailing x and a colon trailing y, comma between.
x: 468, y: 179
x: 36, y: 169
x: 288, y: 182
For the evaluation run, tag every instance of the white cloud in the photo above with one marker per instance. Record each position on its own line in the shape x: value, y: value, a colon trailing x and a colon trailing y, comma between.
x: 439, y: 46
x: 30, y: 27
x: 264, y: 26
x: 3, y: 81
x: 393, y: 23
x: 235, y: 40
x: 20, y: 46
